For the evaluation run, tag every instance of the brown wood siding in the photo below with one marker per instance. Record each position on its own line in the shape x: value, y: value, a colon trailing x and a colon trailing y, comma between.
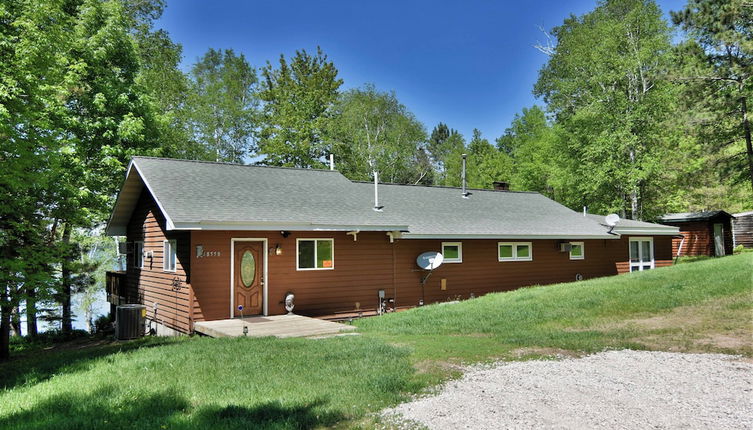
x: 699, y: 238
x: 363, y: 267
x: 742, y: 228
x: 152, y: 284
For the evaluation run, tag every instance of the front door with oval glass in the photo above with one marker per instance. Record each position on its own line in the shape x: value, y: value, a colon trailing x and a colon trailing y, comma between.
x: 248, y: 278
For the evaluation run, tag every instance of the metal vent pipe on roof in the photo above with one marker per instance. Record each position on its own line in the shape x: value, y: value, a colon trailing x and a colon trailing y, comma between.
x: 465, y: 193
x: 376, y: 192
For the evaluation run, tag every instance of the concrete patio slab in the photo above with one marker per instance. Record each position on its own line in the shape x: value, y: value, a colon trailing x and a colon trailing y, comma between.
x: 280, y: 326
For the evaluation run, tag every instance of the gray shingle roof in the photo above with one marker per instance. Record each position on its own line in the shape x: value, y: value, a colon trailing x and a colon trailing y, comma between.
x: 443, y: 212
x: 629, y: 226
x: 209, y: 195
x: 692, y: 216
x: 216, y: 193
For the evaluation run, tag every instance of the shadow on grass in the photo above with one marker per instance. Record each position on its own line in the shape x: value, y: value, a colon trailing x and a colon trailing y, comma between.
x: 38, y: 366
x: 271, y: 415
x: 106, y: 407
x: 109, y: 407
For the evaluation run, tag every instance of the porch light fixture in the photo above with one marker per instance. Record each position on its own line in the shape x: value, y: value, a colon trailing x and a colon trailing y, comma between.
x: 277, y: 250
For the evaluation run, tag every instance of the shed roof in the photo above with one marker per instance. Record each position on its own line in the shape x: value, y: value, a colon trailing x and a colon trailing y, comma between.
x: 693, y: 216
x: 219, y: 196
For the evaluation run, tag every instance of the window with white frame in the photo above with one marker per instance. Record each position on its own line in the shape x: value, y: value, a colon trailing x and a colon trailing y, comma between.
x: 577, y: 251
x: 138, y: 255
x: 514, y: 251
x: 452, y: 252
x: 169, y: 251
x: 641, y: 253
x: 315, y: 254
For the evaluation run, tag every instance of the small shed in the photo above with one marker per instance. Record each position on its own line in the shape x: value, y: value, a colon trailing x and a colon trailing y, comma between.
x: 742, y: 229
x: 703, y: 233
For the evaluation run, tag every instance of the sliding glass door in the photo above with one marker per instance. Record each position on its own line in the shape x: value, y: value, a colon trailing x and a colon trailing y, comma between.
x: 641, y: 253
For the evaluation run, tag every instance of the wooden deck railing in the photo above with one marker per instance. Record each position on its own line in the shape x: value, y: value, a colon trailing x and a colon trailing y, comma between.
x: 115, y: 284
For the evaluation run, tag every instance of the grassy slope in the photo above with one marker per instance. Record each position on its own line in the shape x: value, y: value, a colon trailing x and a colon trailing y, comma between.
x: 300, y: 383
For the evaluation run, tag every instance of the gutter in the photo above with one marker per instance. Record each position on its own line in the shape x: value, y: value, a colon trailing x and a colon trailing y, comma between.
x: 273, y: 226
x: 507, y: 236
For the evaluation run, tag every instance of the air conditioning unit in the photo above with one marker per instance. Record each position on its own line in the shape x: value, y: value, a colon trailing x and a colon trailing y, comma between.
x: 130, y: 321
x: 565, y: 247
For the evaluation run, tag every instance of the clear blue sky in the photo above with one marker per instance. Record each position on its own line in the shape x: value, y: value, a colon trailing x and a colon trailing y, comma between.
x: 470, y: 64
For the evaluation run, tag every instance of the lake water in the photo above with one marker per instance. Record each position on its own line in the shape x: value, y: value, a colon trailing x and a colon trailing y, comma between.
x: 101, y: 307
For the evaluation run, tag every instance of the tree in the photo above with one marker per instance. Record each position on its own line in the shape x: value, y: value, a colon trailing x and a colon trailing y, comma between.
x: 161, y: 79
x: 610, y: 99
x: 222, y: 105
x: 298, y: 102
x: 484, y: 164
x: 530, y: 142
x: 32, y: 88
x: 443, y: 142
x: 372, y: 131
x: 718, y: 58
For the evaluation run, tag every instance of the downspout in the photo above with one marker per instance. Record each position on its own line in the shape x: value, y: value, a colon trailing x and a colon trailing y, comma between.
x: 394, y: 276
x: 679, y: 249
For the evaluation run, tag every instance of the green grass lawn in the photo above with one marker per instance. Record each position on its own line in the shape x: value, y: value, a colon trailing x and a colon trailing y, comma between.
x: 302, y: 383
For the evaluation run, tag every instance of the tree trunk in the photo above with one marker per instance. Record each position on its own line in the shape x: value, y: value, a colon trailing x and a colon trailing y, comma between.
x: 748, y: 143
x: 15, y: 321
x: 5, y: 309
x: 66, y: 325
x: 31, y: 313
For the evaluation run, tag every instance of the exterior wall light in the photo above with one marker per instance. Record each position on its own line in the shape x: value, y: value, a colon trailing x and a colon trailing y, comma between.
x: 277, y: 250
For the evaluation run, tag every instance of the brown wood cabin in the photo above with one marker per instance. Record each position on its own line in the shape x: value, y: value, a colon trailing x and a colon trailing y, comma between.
x: 203, y: 238
x: 703, y: 233
x: 742, y: 229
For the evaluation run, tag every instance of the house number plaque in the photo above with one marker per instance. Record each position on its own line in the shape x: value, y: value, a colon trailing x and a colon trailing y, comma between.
x: 201, y: 253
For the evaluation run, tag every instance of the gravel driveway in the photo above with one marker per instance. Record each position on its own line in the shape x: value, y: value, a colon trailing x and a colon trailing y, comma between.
x: 615, y: 389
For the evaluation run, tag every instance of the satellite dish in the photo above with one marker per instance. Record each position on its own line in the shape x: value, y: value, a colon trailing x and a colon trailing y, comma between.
x: 430, y: 260
x: 612, y: 219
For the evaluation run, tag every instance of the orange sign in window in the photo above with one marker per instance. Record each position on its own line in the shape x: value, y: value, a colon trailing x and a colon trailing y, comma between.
x: 326, y: 263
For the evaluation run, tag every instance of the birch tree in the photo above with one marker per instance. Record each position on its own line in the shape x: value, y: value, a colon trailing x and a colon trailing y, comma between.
x: 373, y: 131
x: 605, y: 82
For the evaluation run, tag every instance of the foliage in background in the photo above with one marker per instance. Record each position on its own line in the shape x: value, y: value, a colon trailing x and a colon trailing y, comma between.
x: 610, y: 101
x: 444, y: 143
x: 298, y: 99
x: 372, y: 131
x: 484, y: 164
x: 222, y: 105
x: 530, y: 142
x: 715, y: 67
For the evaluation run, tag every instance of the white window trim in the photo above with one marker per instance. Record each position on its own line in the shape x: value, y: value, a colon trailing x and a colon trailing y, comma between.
x: 138, y: 264
x: 297, y: 251
x: 582, y: 255
x: 165, y: 259
x: 460, y: 252
x: 515, y: 251
x: 640, y: 264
